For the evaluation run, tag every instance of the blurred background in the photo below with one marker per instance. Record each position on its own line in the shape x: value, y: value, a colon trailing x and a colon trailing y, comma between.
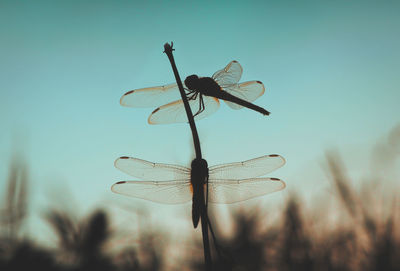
x: 331, y: 73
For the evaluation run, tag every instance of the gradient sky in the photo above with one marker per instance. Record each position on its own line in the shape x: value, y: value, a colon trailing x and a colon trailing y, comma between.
x: 331, y: 69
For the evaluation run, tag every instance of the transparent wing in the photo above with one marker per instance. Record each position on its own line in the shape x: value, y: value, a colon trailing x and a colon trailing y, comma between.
x: 230, y: 191
x: 170, y: 192
x: 229, y: 75
x: 175, y: 112
x: 248, y: 91
x: 146, y: 170
x: 150, y: 97
x: 247, y: 169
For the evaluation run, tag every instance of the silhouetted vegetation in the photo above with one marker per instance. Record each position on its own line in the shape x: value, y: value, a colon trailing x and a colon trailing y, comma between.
x: 360, y: 233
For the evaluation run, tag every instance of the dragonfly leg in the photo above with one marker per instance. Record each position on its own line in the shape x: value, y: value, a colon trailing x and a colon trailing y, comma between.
x: 201, y: 105
x: 192, y: 95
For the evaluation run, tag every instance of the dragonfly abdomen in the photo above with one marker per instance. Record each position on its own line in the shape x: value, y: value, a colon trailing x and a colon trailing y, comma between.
x: 231, y: 98
x: 198, y: 206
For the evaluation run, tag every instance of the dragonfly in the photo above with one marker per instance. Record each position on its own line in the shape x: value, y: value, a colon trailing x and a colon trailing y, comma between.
x: 174, y: 184
x: 203, y: 95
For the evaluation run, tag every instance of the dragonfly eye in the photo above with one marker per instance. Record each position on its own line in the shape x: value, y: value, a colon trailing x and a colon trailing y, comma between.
x: 191, y: 81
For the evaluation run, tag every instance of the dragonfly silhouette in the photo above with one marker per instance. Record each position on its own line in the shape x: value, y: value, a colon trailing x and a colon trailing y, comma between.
x: 202, y: 93
x: 173, y: 184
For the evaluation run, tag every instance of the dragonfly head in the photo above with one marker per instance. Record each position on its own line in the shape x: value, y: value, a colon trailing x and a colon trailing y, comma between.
x: 191, y: 81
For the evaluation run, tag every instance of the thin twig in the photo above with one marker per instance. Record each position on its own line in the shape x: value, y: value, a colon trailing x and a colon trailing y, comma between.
x: 168, y: 50
x: 204, y: 217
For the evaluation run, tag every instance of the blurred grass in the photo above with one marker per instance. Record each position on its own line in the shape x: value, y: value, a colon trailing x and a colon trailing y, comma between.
x: 364, y: 234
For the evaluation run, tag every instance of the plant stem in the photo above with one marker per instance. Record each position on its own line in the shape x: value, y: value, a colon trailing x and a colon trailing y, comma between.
x: 204, y: 217
x: 168, y: 50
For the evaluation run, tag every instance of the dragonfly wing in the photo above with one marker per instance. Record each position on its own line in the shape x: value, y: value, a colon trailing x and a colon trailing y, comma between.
x: 150, y: 97
x: 229, y: 75
x: 146, y: 170
x: 248, y: 91
x: 247, y: 169
x: 175, y: 112
x: 231, y: 191
x: 169, y: 192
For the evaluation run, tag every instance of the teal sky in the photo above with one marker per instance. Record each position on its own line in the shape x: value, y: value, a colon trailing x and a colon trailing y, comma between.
x: 331, y: 69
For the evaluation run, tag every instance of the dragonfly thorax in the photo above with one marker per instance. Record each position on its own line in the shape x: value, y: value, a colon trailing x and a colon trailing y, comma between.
x: 199, y: 172
x: 204, y: 85
x: 198, y: 178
